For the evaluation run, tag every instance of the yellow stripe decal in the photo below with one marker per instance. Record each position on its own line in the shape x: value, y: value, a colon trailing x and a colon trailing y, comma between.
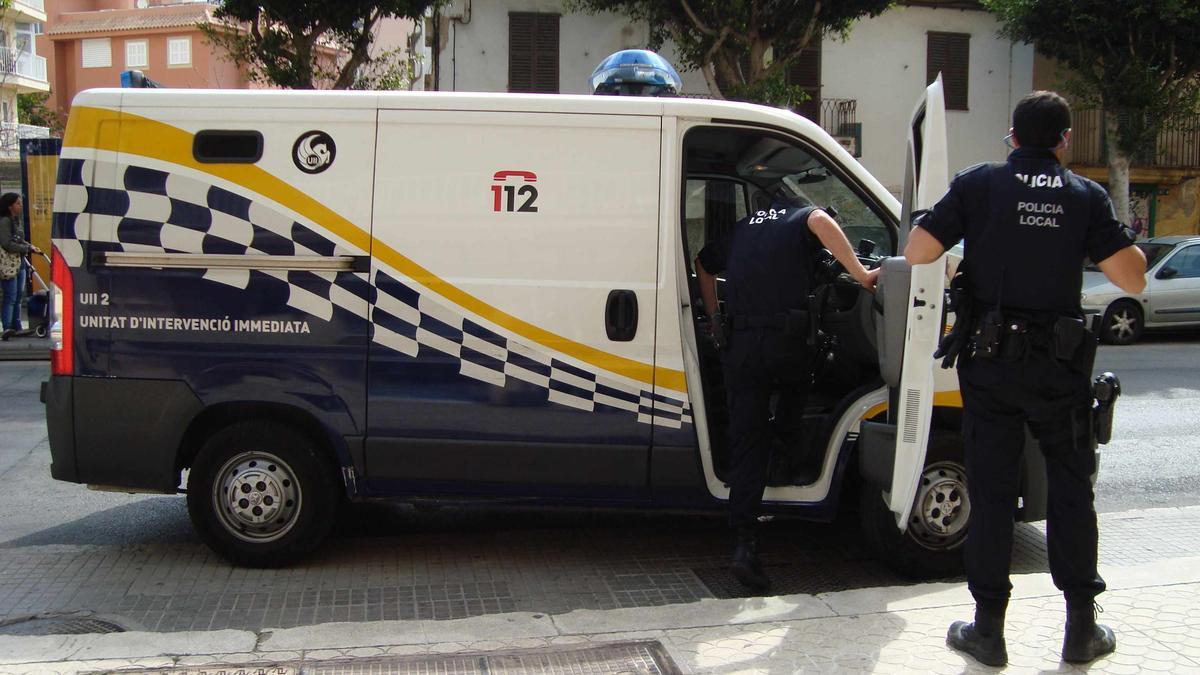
x: 149, y: 138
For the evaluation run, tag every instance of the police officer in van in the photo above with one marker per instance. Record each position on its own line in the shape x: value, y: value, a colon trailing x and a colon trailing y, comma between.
x: 1025, y: 357
x: 767, y: 259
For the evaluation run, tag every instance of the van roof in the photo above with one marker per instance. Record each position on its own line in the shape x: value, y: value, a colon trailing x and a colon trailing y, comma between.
x: 491, y: 102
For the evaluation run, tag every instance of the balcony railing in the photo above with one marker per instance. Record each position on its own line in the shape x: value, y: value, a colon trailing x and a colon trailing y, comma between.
x: 837, y: 114
x: 11, y: 133
x: 1175, y: 148
x: 23, y: 64
x: 839, y: 117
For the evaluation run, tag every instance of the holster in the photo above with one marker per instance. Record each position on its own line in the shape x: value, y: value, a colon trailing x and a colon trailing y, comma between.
x: 959, y: 301
x: 989, y: 336
x: 1106, y: 389
x: 1074, y: 344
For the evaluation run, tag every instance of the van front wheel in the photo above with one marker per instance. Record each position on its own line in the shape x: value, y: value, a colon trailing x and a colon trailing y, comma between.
x: 931, y: 546
x: 260, y: 495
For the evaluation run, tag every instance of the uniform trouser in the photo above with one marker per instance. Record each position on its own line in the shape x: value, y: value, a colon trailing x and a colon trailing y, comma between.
x: 758, y: 363
x: 999, y: 397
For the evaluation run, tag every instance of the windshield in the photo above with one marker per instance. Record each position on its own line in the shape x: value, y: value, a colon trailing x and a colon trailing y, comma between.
x: 816, y: 185
x: 1154, y: 253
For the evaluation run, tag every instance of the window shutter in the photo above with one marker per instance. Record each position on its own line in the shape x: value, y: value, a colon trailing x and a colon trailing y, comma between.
x: 805, y: 72
x: 533, y: 52
x: 950, y: 54
x: 97, y: 53
x: 545, y: 76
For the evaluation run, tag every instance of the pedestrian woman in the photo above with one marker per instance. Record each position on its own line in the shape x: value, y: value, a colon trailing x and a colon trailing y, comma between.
x: 12, y: 240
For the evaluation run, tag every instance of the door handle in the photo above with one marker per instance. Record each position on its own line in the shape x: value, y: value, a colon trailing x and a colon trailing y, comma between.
x: 621, y: 315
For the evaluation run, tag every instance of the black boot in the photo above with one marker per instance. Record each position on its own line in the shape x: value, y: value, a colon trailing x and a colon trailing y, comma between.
x: 746, y: 566
x: 1086, y: 640
x: 984, y: 639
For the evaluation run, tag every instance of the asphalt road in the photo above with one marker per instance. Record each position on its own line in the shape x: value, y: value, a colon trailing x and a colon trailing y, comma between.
x: 1154, y: 459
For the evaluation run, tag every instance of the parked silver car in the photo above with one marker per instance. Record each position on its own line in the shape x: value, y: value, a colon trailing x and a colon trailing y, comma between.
x: 1171, y: 298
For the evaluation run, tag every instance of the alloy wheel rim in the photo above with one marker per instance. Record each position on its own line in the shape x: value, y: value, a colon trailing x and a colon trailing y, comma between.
x: 1123, y: 324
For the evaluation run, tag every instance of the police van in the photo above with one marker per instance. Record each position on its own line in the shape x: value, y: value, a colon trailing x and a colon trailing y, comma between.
x: 277, y: 301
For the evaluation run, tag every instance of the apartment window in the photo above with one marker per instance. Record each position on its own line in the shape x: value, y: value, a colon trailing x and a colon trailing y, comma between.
x: 533, y: 52
x: 949, y: 54
x: 97, y: 53
x: 137, y: 54
x: 805, y: 72
x: 179, y: 51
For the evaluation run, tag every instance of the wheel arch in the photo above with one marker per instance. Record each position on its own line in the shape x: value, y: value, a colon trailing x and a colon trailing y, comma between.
x: 222, y: 415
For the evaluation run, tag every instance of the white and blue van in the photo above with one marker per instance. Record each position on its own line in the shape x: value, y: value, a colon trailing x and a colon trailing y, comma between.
x: 275, y: 301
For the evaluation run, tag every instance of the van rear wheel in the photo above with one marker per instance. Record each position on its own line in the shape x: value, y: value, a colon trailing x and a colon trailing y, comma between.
x: 931, y: 546
x: 261, y: 495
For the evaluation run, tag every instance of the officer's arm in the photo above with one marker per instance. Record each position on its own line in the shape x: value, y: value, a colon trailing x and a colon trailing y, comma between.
x: 922, y: 248
x: 1126, y: 268
x: 832, y: 238
x: 708, y: 288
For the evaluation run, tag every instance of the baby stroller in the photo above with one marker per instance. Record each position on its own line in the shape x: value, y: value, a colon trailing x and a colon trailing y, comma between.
x: 37, y: 305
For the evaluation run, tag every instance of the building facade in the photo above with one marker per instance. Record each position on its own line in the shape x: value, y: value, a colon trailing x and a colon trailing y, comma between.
x: 90, y: 42
x: 862, y: 88
x: 1164, y: 180
x: 22, y: 71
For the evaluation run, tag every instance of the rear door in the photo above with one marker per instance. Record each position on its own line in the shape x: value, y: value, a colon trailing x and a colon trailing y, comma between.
x: 514, y: 264
x: 926, y: 180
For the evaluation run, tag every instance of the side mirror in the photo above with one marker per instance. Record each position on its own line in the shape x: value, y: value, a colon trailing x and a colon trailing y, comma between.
x: 1166, y: 273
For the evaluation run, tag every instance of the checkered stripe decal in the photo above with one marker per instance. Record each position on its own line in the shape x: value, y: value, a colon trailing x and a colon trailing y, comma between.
x: 148, y: 210
x: 408, y: 322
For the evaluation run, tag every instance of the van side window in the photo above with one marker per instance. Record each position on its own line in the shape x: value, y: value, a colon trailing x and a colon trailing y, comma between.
x: 222, y: 146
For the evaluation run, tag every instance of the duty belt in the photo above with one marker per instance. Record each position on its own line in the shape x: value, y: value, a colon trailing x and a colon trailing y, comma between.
x: 793, y: 321
x: 1010, y: 335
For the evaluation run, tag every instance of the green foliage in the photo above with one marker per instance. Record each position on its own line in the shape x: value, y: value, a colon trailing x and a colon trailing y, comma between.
x: 295, y: 44
x: 1138, y: 59
x: 743, y: 47
x: 31, y: 109
x: 389, y: 71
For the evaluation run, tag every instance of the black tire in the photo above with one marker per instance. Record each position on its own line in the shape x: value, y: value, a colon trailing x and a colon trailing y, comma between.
x: 931, y: 547
x: 287, y: 494
x: 1122, y: 323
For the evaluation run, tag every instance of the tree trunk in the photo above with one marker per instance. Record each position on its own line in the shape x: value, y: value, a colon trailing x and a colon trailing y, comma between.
x: 1118, y: 170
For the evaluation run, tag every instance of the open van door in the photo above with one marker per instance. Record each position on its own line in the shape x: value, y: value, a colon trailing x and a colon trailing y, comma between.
x: 892, y: 454
x: 925, y: 181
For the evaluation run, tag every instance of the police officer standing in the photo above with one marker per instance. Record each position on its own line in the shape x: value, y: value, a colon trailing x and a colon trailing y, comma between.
x: 767, y: 260
x: 1027, y: 357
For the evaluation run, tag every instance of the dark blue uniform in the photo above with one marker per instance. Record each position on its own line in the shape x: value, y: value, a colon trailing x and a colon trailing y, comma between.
x: 1027, y: 225
x: 767, y: 263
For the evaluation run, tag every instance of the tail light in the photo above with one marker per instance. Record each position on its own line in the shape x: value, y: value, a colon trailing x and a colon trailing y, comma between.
x: 62, y: 316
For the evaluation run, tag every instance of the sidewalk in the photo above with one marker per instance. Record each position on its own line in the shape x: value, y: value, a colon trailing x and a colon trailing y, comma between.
x: 1154, y: 606
x: 25, y: 349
